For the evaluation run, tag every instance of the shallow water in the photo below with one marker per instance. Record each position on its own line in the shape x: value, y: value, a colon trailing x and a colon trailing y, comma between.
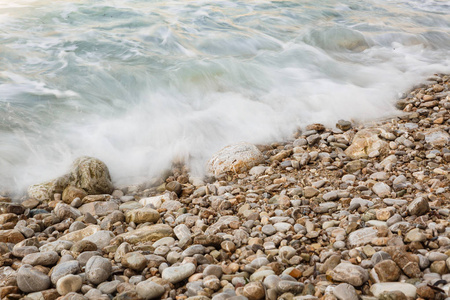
x: 140, y: 83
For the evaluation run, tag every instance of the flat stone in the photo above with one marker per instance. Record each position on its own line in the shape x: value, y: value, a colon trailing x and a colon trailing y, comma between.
x: 99, y: 208
x: 223, y: 222
x: 147, y: 233
x: 47, y: 258
x: 177, y: 274
x: 56, y: 246
x: 381, y: 189
x: 345, y: 291
x: 408, y: 289
x: 134, y: 261
x: 149, y: 290
x: 80, y: 234
x: 362, y: 236
x: 100, y: 238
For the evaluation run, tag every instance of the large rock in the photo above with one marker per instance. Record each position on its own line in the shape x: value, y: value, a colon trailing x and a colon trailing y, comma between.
x: 30, y: 280
x: 349, y: 273
x: 87, y: 173
x: 235, y: 158
x: 92, y: 175
x: 365, y: 142
x: 147, y: 233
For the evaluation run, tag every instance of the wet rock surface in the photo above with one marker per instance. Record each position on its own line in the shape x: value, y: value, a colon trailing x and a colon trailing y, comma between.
x: 352, y: 212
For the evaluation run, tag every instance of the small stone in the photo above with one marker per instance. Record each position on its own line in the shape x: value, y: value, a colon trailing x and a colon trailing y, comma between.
x: 98, y: 269
x: 149, y: 290
x: 174, y: 186
x: 387, y: 271
x: 83, y: 245
x: 69, y: 283
x: 142, y: 215
x: 212, y: 282
x: 213, y: 270
x: 30, y: 280
x: 254, y: 291
x: 63, y: 269
x: 362, y: 236
x: 147, y: 233
x: 344, y: 125
x: 101, y: 238
x: 439, y: 267
x: 345, y: 291
x: 71, y: 192
x: 235, y: 158
x: 381, y: 189
x: 134, y: 261
x: 426, y: 292
x: 309, y: 192
x: 352, y: 274
x: 418, y: 207
x: 268, y: 230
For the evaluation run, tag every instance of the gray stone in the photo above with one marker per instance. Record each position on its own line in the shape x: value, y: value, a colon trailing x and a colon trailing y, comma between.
x: 63, y: 269
x: 408, y: 289
x: 30, y: 280
x: 100, y: 238
x: 418, y: 207
x: 345, y: 291
x: 98, y: 269
x: 177, y: 274
x: 47, y: 258
x: 362, y: 236
x: 149, y: 290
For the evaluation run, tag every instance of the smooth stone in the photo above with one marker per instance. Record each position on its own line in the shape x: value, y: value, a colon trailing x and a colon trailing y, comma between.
x: 147, y: 233
x: 213, y: 270
x: 47, y: 258
x: 349, y: 273
x: 63, y: 269
x: 100, y: 238
x: 142, y: 215
x: 398, y: 202
x: 408, y: 289
x: 268, y: 229
x: 260, y: 275
x: 235, y: 158
x: 362, y: 236
x: 254, y: 291
x: 98, y: 269
x: 30, y: 280
x: 80, y: 234
x: 381, y: 189
x: 149, y: 290
x: 68, y: 284
x: 177, y: 274
x: 108, y: 287
x: 56, y: 246
x: 418, y: 207
x: 134, y: 261
x: 345, y: 291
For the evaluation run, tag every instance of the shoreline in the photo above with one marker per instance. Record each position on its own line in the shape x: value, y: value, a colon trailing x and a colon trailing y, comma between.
x: 351, y: 212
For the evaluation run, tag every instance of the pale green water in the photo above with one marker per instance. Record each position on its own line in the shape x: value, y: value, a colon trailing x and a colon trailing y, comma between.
x: 137, y: 83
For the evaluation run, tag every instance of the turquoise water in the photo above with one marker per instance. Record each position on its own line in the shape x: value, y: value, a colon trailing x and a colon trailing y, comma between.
x: 141, y: 83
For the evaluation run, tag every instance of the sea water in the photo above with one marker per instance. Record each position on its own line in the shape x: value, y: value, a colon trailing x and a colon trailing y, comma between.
x: 140, y: 84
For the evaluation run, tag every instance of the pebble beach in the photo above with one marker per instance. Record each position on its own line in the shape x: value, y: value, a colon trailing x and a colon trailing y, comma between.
x: 357, y: 211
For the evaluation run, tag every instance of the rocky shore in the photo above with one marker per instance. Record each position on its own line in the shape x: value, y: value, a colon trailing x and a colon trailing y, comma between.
x: 352, y: 212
